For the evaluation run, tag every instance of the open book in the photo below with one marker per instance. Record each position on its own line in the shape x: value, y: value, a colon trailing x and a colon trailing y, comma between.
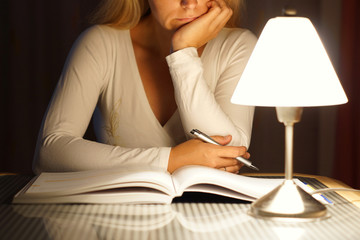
x: 147, y: 184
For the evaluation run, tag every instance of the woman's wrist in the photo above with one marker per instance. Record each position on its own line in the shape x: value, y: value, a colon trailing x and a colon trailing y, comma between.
x: 172, y: 164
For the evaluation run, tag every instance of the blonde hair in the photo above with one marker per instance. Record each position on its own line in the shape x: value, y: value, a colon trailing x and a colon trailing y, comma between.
x: 238, y: 7
x: 123, y: 14
x: 126, y: 14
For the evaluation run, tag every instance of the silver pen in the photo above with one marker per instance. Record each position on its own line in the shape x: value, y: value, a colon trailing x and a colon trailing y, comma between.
x: 208, y: 139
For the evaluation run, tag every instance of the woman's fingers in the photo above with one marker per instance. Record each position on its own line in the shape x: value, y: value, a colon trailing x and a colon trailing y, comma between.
x: 221, y: 13
x: 197, y: 152
x: 232, y: 152
x: 216, y: 18
x: 226, y: 154
x: 206, y: 27
x: 222, y: 140
x: 231, y: 164
x: 232, y: 168
x: 246, y: 155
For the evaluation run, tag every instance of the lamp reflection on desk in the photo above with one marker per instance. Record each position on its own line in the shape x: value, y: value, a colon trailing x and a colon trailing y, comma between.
x: 289, y: 69
x: 289, y: 232
x: 93, y: 222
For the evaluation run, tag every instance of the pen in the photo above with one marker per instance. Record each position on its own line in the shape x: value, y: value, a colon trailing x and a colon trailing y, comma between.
x: 208, y: 139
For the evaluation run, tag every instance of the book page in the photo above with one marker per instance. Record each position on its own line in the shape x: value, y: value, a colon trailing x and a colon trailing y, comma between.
x: 57, y: 184
x: 127, y: 195
x: 191, y: 177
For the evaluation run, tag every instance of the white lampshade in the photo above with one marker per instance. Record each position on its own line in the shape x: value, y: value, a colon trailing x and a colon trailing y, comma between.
x: 289, y: 67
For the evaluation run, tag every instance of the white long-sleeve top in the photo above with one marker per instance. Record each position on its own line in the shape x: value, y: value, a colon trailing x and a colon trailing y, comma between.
x: 101, y: 79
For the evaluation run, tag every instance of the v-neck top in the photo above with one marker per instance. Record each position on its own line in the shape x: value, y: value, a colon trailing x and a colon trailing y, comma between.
x: 101, y: 79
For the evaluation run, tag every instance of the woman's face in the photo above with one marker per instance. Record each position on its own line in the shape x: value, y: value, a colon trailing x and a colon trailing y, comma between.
x: 172, y: 14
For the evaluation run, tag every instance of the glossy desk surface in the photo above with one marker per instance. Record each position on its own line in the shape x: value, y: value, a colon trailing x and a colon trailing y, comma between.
x: 180, y: 220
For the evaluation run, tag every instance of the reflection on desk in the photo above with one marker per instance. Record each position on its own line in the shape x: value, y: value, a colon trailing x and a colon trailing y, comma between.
x: 176, y: 221
x: 106, y: 221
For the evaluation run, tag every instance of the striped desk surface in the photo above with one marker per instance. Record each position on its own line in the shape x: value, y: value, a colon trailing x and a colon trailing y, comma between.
x: 181, y: 220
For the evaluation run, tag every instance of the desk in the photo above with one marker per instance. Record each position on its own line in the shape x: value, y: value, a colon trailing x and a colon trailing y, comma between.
x: 176, y: 221
x: 353, y: 197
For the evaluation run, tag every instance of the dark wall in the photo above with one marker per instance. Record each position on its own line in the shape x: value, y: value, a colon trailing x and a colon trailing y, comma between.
x: 36, y: 36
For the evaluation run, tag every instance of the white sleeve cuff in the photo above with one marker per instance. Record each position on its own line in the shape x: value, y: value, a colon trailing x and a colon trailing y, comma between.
x: 182, y: 56
x: 164, y: 154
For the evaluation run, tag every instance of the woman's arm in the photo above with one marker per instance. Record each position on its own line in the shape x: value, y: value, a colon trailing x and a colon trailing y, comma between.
x: 200, y: 106
x: 204, y: 107
x: 60, y: 145
x: 211, y: 110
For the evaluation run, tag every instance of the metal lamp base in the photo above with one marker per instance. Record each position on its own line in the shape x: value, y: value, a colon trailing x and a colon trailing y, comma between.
x: 288, y: 202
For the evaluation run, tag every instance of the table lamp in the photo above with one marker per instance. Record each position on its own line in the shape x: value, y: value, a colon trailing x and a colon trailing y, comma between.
x: 289, y: 69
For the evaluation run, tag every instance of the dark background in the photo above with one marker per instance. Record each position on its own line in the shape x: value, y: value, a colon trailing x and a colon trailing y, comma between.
x: 36, y: 36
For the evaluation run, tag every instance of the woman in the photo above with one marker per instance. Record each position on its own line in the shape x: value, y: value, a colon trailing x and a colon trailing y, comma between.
x: 147, y: 82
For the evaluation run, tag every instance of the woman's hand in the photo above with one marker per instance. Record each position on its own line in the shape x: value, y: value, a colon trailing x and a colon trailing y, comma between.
x: 203, y: 29
x: 197, y: 152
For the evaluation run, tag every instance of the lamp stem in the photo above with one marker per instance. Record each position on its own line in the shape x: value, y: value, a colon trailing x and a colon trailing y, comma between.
x: 289, y: 116
x: 289, y: 143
